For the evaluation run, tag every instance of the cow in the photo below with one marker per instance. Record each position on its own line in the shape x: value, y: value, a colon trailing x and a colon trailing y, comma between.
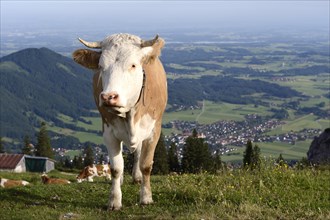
x: 130, y: 92
x: 7, y: 183
x: 47, y: 180
x: 89, y: 172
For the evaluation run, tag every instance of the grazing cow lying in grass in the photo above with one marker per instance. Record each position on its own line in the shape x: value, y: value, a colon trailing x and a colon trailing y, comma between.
x: 6, y: 183
x: 89, y: 172
x: 46, y: 180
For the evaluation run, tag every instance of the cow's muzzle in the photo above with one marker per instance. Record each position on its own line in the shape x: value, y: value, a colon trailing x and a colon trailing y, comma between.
x: 110, y: 99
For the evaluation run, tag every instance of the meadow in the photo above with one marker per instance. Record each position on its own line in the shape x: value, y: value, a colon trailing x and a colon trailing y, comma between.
x: 271, y: 193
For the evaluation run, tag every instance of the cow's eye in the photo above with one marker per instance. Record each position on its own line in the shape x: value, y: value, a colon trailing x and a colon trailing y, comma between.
x: 133, y: 66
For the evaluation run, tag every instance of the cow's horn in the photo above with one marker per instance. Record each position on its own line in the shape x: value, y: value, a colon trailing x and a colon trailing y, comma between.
x: 149, y: 43
x: 91, y: 44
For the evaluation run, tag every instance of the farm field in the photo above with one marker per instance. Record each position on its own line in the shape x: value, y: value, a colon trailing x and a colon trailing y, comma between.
x: 269, y: 194
x: 272, y: 151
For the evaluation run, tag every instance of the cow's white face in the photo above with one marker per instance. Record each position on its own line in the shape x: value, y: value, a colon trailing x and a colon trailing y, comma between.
x: 121, y: 71
x: 120, y: 64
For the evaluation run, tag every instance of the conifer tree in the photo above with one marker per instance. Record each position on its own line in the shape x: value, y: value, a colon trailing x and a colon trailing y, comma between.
x: 280, y: 160
x: 196, y: 156
x: 75, y: 162
x: 256, y: 160
x: 27, y: 149
x: 217, y: 163
x: 247, y: 158
x: 67, y: 163
x: 89, y: 156
x: 172, y: 158
x: 101, y: 159
x: 160, y: 165
x: 2, y: 150
x: 128, y: 162
x: 43, y: 147
x: 80, y: 163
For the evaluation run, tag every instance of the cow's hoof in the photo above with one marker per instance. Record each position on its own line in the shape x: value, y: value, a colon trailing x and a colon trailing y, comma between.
x: 113, y: 208
x: 137, y: 181
x: 146, y: 202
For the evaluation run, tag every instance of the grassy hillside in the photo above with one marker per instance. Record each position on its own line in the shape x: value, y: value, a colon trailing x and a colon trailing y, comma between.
x: 272, y: 193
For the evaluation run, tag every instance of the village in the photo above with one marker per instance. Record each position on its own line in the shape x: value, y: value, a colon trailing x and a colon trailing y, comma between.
x: 225, y: 136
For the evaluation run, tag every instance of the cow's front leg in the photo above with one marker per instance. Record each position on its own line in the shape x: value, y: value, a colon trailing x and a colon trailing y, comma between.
x: 117, y: 168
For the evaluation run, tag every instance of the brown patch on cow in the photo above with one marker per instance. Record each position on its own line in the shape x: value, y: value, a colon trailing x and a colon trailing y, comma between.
x: 114, y: 173
x: 146, y: 170
x: 87, y: 58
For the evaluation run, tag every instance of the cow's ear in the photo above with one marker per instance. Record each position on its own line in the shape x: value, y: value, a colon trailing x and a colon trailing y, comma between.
x: 154, y: 51
x: 87, y: 58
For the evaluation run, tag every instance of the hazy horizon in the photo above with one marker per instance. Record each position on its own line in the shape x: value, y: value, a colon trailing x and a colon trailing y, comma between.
x: 82, y: 16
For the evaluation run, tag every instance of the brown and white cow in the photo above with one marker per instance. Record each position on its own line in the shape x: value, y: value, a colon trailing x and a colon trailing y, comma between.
x: 130, y: 91
x: 89, y: 172
x: 7, y: 183
x: 47, y: 180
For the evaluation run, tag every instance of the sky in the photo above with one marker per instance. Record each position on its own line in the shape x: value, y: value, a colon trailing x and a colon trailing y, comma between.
x: 24, y: 16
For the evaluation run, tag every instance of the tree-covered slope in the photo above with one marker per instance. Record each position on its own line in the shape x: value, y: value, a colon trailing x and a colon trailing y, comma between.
x: 187, y: 92
x: 39, y: 83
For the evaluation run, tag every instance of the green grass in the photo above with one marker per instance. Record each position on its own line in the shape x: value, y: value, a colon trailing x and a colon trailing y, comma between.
x: 270, y: 194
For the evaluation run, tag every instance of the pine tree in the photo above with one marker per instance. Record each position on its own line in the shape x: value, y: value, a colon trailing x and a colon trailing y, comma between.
x: 89, y: 156
x: 280, y: 160
x: 27, y: 149
x: 80, y: 163
x: 160, y: 165
x: 101, y: 159
x: 128, y: 162
x: 247, y: 158
x: 43, y: 147
x: 74, y: 162
x: 196, y: 156
x: 194, y: 133
x: 217, y: 163
x: 256, y: 160
x: 67, y: 163
x: 172, y: 158
x: 2, y: 150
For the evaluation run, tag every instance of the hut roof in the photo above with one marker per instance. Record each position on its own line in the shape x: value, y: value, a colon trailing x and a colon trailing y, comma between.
x: 10, y: 161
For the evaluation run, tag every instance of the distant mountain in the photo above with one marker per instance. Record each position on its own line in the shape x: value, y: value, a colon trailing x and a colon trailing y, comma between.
x: 39, y: 83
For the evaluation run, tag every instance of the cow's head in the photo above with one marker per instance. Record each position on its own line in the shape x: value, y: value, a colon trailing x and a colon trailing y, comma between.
x: 120, y: 64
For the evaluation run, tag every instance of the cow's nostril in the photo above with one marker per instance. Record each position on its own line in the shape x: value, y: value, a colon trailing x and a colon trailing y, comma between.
x: 104, y: 97
x: 110, y: 98
x: 114, y: 96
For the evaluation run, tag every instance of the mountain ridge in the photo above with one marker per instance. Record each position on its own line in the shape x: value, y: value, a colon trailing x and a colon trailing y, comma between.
x: 40, y: 83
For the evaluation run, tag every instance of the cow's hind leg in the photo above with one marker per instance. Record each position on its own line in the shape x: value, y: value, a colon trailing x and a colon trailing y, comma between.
x: 114, y: 147
x: 136, y: 174
x: 146, y: 161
